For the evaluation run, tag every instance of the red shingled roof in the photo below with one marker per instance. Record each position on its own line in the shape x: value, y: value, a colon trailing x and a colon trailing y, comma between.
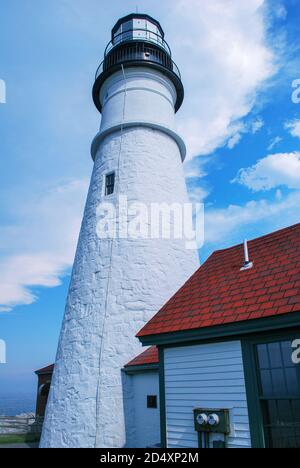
x: 46, y: 370
x: 219, y: 293
x: 150, y: 356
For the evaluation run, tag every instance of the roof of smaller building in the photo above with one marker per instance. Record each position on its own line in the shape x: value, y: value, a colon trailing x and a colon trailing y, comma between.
x: 46, y: 370
x: 220, y: 293
x: 150, y: 356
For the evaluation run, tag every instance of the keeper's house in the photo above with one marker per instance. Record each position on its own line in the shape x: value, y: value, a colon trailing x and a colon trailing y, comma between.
x: 228, y: 340
x: 225, y: 342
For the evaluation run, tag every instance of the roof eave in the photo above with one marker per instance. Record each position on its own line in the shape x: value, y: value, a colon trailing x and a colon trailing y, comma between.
x: 44, y: 371
x: 225, y: 331
x: 141, y: 368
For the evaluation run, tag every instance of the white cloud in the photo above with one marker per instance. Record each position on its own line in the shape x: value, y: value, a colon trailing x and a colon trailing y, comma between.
x: 194, y: 168
x: 39, y: 248
x: 225, y: 61
x: 242, y: 128
x: 194, y: 172
x: 234, y: 140
x: 274, y: 143
x: 294, y: 128
x: 280, y: 11
x: 198, y: 194
x: 231, y: 224
x: 272, y: 171
x: 257, y: 125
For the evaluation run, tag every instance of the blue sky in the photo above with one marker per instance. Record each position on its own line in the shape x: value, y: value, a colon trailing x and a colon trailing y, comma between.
x: 238, y: 61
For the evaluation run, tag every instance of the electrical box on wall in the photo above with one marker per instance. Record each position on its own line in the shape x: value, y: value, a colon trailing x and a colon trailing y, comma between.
x: 212, y: 420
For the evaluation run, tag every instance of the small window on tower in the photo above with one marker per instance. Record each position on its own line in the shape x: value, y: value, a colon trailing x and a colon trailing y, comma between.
x: 151, y: 401
x: 109, y: 183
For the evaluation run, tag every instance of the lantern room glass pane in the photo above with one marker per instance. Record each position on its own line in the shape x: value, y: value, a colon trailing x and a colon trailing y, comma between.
x: 138, y: 29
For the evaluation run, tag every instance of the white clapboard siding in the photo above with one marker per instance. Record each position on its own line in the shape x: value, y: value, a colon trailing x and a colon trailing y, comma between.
x: 206, y: 376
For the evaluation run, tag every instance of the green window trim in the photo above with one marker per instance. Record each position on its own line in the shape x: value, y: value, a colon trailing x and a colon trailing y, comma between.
x: 251, y: 380
x: 162, y: 398
x: 254, y: 412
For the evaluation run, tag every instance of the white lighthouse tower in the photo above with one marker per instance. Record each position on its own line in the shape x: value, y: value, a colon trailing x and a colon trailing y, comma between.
x: 119, y: 282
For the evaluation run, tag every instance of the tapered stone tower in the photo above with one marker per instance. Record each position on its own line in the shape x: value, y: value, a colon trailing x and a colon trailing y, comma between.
x: 119, y: 282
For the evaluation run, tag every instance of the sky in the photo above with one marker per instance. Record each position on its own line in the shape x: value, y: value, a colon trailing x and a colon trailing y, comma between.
x: 240, y: 120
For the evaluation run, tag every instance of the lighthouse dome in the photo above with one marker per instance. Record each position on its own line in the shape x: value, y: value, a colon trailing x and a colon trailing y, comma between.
x: 137, y: 40
x: 138, y: 27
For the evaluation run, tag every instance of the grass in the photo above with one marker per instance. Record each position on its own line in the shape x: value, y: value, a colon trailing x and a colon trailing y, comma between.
x: 19, y: 439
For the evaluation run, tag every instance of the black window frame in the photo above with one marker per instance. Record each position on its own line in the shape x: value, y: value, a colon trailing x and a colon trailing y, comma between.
x: 109, y: 185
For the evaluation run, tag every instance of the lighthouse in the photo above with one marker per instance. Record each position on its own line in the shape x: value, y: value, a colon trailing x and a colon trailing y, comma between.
x: 120, y: 279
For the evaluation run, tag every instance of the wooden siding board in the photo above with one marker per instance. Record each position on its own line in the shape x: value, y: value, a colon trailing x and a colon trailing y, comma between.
x: 211, y: 376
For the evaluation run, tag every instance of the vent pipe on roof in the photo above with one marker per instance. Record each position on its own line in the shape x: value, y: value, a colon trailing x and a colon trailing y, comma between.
x: 247, y: 263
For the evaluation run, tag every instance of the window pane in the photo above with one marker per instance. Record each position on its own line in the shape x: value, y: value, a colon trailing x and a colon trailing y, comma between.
x: 279, y: 386
x: 295, y: 404
x: 296, y: 410
x: 151, y: 401
x: 109, y: 183
x: 280, y: 429
x: 279, y: 377
x: 292, y: 381
x: 263, y: 356
x: 128, y: 26
x: 270, y: 412
x: 285, y: 413
x: 274, y: 438
x: 266, y: 383
x: 275, y: 355
x: 286, y: 347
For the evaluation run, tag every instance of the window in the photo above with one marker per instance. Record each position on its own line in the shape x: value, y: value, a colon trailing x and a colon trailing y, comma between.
x: 151, y: 401
x: 109, y: 183
x: 44, y: 390
x: 278, y: 380
x: 127, y: 31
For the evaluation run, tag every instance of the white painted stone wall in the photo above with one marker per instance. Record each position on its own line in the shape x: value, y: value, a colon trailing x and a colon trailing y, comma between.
x: 138, y: 97
x: 205, y: 376
x: 117, y: 286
